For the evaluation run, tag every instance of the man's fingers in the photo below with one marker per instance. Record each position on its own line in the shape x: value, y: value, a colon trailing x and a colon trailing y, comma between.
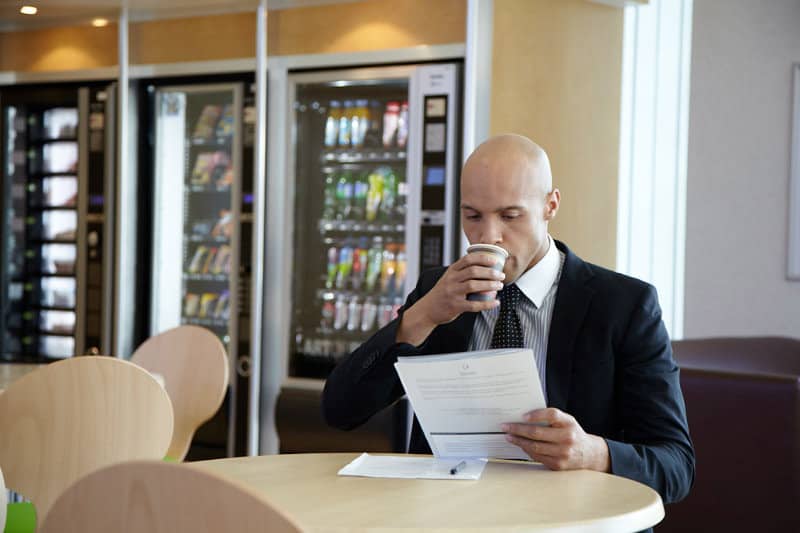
x: 537, y: 450
x: 549, y: 416
x: 539, y: 433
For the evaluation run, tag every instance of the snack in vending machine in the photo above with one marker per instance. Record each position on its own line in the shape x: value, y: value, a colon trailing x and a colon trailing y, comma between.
x: 402, y: 125
x: 332, y: 124
x: 221, y: 309
x: 212, y: 252
x: 353, y: 313
x: 391, y: 117
x: 333, y: 266
x: 204, y: 127
x: 374, y: 193
x: 344, y: 124
x: 190, y: 304
x: 345, y: 266
x: 222, y: 262
x: 203, y: 168
x: 340, y: 313
x: 369, y: 312
x: 226, y: 122
x: 374, y: 263
x: 197, y: 259
x: 224, y: 225
x: 206, y: 304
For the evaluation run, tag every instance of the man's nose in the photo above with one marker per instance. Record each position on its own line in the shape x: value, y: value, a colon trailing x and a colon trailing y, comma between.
x: 491, y: 232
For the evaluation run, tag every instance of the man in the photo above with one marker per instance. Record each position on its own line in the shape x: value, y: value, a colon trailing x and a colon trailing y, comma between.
x: 603, y: 354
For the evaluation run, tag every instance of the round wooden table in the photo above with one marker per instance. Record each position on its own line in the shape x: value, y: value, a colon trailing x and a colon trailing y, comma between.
x: 508, y: 497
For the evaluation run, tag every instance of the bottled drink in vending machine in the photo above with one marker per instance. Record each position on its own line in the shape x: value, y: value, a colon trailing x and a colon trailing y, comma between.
x: 359, y: 122
x: 400, y: 270
x: 388, y: 266
x: 384, y: 312
x: 402, y: 125
x: 374, y: 194
x: 391, y: 116
x: 332, y: 124
x: 328, y: 312
x: 344, y: 194
x: 340, y: 313
x: 388, y: 202
x: 369, y: 314
x: 345, y: 266
x: 330, y: 201
x: 374, y: 263
x: 353, y: 314
x: 402, y: 194
x: 333, y: 266
x: 360, y: 191
x: 360, y: 255
x: 373, y: 135
x: 344, y: 124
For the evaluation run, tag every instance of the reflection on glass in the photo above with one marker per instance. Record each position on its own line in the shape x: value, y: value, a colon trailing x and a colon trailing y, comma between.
x: 60, y: 157
x: 59, y: 225
x: 62, y: 322
x: 57, y: 346
x: 60, y: 192
x: 60, y: 123
x: 58, y: 258
x: 58, y: 292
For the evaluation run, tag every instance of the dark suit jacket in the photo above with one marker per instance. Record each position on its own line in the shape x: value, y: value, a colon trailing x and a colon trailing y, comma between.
x: 609, y: 364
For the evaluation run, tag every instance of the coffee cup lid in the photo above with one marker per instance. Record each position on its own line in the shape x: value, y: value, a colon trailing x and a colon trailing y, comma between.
x: 487, y: 248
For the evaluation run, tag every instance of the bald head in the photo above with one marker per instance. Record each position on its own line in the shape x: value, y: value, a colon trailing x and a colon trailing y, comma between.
x: 511, y: 156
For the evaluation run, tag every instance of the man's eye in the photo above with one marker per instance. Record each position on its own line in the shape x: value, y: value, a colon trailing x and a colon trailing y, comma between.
x: 473, y: 217
x: 510, y: 216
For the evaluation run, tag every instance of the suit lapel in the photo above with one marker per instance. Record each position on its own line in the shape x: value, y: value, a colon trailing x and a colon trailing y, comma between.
x: 460, y: 331
x: 572, y: 302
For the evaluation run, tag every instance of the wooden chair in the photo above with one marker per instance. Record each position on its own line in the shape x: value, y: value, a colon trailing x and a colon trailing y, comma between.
x: 69, y: 418
x: 194, y: 365
x: 161, y: 497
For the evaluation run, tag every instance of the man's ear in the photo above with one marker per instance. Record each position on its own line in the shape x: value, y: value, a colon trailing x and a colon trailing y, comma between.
x: 552, y: 202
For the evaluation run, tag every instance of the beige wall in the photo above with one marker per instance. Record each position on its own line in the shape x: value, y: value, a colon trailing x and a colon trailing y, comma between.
x: 369, y: 25
x: 347, y: 27
x: 56, y: 49
x: 557, y: 74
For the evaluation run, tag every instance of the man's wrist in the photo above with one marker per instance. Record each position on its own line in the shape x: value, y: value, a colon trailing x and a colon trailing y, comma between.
x: 414, y: 326
x: 601, y: 456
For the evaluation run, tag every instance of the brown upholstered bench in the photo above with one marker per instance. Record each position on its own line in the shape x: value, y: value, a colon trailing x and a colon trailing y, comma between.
x: 743, y: 404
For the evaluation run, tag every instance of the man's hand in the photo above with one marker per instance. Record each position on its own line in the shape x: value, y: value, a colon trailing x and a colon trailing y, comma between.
x: 448, y: 298
x: 555, y: 439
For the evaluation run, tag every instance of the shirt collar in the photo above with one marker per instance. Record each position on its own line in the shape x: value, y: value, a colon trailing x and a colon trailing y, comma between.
x: 535, y: 282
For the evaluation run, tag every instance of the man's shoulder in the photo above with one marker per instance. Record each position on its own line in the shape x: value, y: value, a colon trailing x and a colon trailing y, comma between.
x: 602, y: 278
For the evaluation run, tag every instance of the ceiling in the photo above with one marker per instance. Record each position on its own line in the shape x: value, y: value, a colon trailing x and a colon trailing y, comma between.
x: 71, y: 12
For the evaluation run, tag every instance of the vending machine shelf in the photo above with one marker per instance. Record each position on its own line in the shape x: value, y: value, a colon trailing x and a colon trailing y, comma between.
x: 364, y: 155
x: 358, y: 226
x: 39, y: 142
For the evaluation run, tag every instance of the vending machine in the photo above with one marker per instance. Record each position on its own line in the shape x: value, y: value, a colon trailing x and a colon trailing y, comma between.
x: 373, y: 164
x: 199, y: 139
x: 58, y: 220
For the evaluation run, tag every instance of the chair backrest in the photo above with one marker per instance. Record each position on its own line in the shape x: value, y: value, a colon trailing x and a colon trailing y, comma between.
x: 160, y: 497
x: 71, y: 417
x: 743, y: 405
x: 194, y: 365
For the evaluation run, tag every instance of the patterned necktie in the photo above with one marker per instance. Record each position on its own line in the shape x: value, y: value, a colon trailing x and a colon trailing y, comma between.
x: 508, y: 329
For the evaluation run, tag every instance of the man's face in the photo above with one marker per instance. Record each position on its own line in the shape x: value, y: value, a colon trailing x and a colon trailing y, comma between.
x: 503, y: 204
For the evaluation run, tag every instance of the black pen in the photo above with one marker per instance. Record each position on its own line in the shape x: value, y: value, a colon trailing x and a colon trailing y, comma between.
x: 459, y: 466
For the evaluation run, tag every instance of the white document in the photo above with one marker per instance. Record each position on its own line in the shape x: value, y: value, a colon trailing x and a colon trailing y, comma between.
x: 461, y: 399
x: 408, y: 467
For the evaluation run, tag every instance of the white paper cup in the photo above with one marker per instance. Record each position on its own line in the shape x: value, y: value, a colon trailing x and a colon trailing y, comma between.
x: 493, y: 251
